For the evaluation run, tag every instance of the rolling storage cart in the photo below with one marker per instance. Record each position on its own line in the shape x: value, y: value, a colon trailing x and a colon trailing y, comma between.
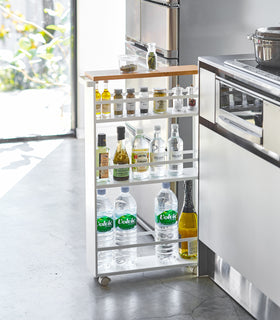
x: 144, y: 263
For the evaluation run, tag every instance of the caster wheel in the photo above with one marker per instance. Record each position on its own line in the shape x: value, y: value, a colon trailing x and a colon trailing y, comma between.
x: 194, y: 271
x: 104, y: 281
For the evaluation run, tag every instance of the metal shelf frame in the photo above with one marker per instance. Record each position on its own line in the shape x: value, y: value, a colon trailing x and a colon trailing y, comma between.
x: 144, y: 263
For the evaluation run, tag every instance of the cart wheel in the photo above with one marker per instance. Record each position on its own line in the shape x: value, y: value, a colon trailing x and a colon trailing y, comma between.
x: 194, y: 271
x: 104, y: 281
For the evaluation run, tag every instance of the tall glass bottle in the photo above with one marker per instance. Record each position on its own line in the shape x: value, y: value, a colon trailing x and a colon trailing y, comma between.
x: 188, y: 225
x: 121, y: 157
x: 175, y: 151
x: 102, y: 157
x: 106, y: 95
x: 97, y: 105
x: 157, y: 153
x: 140, y: 154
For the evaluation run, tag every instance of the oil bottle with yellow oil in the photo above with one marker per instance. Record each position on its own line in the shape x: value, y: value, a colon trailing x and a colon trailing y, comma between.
x: 188, y: 225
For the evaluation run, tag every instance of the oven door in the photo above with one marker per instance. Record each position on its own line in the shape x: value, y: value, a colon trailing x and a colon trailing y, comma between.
x: 239, y: 110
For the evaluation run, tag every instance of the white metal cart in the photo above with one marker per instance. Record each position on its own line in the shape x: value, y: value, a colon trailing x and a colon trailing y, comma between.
x: 144, y: 263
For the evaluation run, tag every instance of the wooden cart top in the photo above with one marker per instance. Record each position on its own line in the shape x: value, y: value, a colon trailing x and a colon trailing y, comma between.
x: 161, y: 72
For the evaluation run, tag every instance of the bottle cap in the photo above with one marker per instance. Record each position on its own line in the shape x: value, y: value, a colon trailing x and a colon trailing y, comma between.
x: 121, y: 132
x: 139, y: 131
x: 118, y: 91
x: 101, y: 141
x: 130, y: 90
x: 144, y: 89
x: 125, y: 189
x: 101, y: 191
x: 174, y: 126
x: 166, y: 185
x: 157, y: 127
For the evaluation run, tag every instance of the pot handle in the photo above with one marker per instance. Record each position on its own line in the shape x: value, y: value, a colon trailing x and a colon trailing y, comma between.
x: 250, y: 36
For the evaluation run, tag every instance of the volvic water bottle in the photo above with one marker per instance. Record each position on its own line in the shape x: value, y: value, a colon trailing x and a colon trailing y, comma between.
x: 125, y: 224
x: 105, y: 229
x: 166, y: 226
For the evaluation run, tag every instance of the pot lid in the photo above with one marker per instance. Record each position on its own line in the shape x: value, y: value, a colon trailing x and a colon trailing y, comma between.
x: 268, y: 33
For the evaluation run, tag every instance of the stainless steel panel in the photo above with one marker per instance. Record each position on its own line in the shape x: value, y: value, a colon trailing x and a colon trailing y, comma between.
x: 159, y: 24
x: 236, y: 285
x: 133, y: 20
x: 207, y: 94
x: 271, y: 125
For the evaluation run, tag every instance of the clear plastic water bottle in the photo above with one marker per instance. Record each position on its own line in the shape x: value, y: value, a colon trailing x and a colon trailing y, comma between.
x: 175, y: 151
x: 126, y: 224
x: 166, y: 226
x: 157, y: 153
x: 105, y: 229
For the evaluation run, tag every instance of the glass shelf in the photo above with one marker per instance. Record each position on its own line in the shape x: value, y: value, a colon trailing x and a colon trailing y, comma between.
x: 169, y: 114
x: 188, y: 174
x: 147, y: 263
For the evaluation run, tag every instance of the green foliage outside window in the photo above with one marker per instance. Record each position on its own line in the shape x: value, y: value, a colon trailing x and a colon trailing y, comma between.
x: 42, y: 57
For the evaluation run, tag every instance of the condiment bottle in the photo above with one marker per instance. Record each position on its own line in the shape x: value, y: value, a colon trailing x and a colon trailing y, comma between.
x: 102, y: 157
x: 97, y: 105
x: 130, y: 105
x: 140, y: 154
x: 106, y: 95
x: 177, y: 103
x: 121, y: 157
x: 144, y: 103
x: 151, y: 57
x: 192, y: 101
x: 160, y: 106
x: 118, y: 107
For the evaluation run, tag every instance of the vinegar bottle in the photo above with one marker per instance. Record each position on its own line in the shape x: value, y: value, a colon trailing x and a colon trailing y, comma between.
x: 106, y: 95
x: 188, y: 226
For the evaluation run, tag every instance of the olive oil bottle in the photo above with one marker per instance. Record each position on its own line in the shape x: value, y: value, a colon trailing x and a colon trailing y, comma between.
x: 188, y: 225
x: 98, y: 105
x: 121, y: 157
x: 106, y: 95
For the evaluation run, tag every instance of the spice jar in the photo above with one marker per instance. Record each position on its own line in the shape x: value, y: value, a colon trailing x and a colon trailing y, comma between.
x: 160, y: 106
x: 130, y: 106
x: 144, y: 103
x: 118, y: 107
x: 151, y: 57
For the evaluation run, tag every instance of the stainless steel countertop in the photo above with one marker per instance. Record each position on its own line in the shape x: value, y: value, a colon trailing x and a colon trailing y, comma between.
x: 218, y: 63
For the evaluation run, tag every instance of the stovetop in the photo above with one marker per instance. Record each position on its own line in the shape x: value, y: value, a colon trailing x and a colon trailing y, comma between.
x: 251, y: 66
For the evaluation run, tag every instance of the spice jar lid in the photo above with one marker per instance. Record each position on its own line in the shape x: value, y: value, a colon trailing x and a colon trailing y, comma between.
x: 159, y: 90
x: 144, y: 89
x: 118, y: 91
x: 130, y: 90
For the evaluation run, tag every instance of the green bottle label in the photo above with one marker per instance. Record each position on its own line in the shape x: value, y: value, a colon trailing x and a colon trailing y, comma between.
x: 121, y: 172
x: 105, y: 224
x: 126, y: 222
x: 167, y: 217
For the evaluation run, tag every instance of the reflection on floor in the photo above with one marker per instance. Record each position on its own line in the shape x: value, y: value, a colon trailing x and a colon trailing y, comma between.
x: 43, y: 271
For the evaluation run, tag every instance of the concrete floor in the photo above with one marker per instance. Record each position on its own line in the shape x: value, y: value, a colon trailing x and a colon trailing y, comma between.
x: 43, y: 271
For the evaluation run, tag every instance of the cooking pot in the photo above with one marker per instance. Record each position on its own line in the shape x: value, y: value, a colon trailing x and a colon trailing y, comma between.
x: 267, y: 46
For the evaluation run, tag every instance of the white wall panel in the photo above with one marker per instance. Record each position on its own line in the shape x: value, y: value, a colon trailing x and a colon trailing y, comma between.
x: 239, y: 210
